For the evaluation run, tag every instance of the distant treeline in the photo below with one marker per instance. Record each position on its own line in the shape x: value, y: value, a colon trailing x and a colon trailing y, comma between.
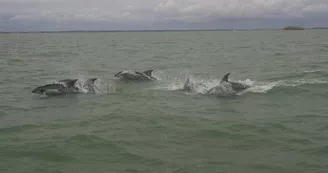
x: 301, y: 28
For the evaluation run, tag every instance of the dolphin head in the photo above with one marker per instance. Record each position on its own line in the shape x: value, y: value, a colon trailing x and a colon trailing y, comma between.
x: 187, y: 85
x: 38, y: 90
x: 44, y: 88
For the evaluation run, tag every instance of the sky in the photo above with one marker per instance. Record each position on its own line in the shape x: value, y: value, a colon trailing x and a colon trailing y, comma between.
x: 56, y: 15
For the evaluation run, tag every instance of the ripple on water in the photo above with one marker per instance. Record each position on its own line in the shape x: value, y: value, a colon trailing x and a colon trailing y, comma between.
x: 113, y: 152
x: 47, y: 155
x: 3, y: 113
x: 20, y: 128
x: 319, y: 149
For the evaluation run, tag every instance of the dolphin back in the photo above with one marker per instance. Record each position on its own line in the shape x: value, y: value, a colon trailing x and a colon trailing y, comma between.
x: 69, y: 82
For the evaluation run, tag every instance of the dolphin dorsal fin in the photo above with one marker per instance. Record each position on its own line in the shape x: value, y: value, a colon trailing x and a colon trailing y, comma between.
x: 225, y: 77
x: 148, y: 72
x: 120, y: 72
x: 72, y: 82
x: 69, y: 82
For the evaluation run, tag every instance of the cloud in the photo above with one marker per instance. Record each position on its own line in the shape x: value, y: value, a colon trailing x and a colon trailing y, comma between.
x: 246, y: 9
x: 153, y: 12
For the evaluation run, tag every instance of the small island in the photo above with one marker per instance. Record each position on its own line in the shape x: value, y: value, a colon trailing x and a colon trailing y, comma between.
x: 320, y: 28
x: 293, y: 28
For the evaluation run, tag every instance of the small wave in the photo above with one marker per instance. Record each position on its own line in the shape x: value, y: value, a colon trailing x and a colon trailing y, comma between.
x: 48, y: 155
x: 312, y: 71
x: 278, y: 54
x: 2, y: 113
x: 19, y: 128
x: 300, y: 74
x: 92, y: 141
x: 319, y: 150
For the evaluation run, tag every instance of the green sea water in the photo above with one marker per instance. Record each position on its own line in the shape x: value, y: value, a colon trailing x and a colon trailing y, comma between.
x: 279, y: 125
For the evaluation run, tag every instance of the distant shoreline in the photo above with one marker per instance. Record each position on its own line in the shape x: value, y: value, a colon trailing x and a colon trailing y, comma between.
x: 80, y: 31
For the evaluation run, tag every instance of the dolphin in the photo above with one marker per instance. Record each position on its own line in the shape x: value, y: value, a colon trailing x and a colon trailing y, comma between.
x: 64, y: 86
x: 235, y: 86
x: 136, y: 75
x: 190, y: 85
x: 52, y: 89
x: 90, y: 84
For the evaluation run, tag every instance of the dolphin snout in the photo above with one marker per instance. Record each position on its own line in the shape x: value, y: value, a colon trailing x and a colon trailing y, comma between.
x: 93, y: 79
x: 117, y: 74
x: 38, y: 90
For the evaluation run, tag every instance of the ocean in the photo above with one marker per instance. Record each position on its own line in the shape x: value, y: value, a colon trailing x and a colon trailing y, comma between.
x: 278, y: 125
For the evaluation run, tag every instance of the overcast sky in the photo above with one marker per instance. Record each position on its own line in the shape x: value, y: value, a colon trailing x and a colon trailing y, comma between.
x: 36, y: 15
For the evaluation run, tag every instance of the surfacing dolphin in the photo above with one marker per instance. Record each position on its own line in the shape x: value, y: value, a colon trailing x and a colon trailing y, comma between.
x: 52, y: 89
x: 89, y: 85
x: 135, y: 75
x: 235, y: 86
x: 65, y: 86
x: 189, y: 86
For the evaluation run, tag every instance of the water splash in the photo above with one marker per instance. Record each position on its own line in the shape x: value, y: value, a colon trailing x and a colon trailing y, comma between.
x: 198, y: 85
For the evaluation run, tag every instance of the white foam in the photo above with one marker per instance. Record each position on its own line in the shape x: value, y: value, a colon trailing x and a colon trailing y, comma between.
x: 213, y: 86
x: 312, y: 71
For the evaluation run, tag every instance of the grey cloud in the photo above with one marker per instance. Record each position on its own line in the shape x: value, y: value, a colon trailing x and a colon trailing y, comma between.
x: 154, y: 13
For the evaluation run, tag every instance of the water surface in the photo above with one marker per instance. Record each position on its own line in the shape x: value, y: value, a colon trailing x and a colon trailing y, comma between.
x: 278, y: 125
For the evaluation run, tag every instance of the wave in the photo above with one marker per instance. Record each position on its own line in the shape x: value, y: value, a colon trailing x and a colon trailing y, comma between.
x: 119, y: 148
x: 19, y: 128
x: 302, y: 74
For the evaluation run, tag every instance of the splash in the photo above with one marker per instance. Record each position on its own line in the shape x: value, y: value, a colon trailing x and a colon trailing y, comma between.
x: 198, y: 85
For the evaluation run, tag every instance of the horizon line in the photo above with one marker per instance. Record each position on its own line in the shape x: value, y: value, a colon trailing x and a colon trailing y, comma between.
x: 151, y: 30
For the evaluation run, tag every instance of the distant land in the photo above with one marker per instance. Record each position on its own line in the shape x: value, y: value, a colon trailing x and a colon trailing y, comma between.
x: 182, y: 30
x: 293, y: 28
